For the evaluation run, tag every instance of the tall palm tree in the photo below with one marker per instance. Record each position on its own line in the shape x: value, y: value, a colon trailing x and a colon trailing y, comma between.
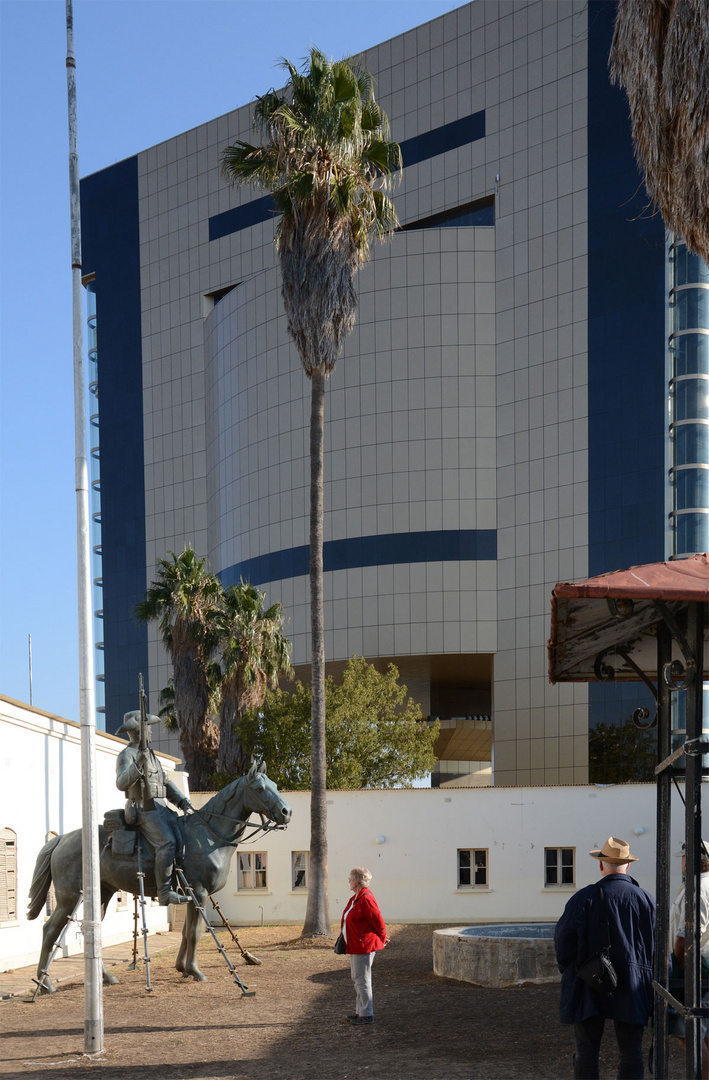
x: 326, y: 160
x: 184, y: 600
x: 659, y: 56
x: 254, y: 653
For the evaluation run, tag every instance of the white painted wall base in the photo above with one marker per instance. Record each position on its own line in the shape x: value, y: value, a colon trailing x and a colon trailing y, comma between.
x: 410, y: 839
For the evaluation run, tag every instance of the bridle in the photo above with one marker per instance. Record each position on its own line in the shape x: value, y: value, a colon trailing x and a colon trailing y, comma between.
x: 265, y: 826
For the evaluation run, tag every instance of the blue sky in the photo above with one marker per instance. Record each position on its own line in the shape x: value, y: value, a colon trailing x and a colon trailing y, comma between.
x: 146, y: 70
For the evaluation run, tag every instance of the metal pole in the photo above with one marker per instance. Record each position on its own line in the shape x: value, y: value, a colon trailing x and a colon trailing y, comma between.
x: 663, y: 946
x: 693, y: 837
x: 91, y: 922
x: 30, y: 652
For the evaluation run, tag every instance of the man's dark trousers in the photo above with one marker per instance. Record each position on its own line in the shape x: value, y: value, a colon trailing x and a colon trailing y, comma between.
x: 588, y: 1043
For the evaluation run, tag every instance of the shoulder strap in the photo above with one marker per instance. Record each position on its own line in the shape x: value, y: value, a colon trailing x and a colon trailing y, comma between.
x: 604, y: 919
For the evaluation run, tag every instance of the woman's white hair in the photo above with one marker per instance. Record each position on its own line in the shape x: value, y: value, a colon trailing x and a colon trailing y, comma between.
x: 362, y: 875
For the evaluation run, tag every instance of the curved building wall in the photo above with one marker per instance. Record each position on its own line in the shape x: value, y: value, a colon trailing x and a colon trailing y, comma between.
x: 410, y: 452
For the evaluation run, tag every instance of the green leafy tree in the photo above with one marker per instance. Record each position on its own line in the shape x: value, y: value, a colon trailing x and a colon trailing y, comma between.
x: 326, y: 159
x: 184, y: 601
x: 254, y: 653
x: 375, y: 737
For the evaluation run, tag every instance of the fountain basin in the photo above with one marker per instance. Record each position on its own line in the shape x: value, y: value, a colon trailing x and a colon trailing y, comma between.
x: 499, y: 955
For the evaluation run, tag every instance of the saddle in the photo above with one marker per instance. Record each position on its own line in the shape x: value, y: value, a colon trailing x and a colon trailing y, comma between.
x: 121, y: 834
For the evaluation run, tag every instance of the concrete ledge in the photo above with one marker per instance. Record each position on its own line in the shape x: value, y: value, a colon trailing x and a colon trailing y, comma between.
x: 488, y: 959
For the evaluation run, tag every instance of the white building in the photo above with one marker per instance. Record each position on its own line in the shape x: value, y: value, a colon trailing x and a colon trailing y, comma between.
x: 461, y: 855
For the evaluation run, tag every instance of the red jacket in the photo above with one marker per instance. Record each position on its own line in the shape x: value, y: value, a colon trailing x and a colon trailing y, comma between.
x: 366, y: 931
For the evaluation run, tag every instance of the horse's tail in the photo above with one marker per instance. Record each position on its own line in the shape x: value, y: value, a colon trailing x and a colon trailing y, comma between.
x: 42, y: 878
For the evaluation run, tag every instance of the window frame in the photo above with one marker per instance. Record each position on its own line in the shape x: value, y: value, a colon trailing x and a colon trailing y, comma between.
x: 559, y: 867
x: 305, y: 870
x: 473, y: 868
x: 252, y: 869
x: 8, y: 876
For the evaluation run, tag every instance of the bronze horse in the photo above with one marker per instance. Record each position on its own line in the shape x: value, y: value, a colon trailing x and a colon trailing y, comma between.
x: 211, y: 836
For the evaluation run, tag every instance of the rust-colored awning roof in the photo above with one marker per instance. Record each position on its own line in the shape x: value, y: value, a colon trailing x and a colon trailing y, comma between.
x: 592, y: 618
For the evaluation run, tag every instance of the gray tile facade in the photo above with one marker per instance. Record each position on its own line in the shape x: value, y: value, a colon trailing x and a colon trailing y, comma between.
x: 460, y: 402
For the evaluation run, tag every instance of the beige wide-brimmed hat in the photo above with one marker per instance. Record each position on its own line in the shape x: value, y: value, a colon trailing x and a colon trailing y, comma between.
x: 614, y: 851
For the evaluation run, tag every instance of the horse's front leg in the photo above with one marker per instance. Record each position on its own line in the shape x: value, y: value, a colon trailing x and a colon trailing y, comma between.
x: 191, y: 933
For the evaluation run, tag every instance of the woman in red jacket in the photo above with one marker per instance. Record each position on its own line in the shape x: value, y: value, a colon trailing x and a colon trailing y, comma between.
x: 365, y: 933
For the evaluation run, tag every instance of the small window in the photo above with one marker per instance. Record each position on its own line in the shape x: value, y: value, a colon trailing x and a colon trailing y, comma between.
x: 472, y: 868
x: 121, y: 900
x: 300, y: 869
x: 252, y: 870
x: 8, y: 875
x: 559, y: 866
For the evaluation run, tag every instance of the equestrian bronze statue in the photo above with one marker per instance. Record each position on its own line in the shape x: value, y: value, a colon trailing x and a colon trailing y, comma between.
x: 210, y: 837
x: 140, y: 775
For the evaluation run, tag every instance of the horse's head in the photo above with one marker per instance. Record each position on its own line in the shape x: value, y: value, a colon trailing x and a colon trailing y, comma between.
x: 261, y: 796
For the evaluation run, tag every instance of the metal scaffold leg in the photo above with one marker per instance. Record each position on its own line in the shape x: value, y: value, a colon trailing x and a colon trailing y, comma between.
x: 187, y: 888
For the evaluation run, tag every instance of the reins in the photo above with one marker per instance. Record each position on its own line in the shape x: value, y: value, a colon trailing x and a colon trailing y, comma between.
x: 241, y: 839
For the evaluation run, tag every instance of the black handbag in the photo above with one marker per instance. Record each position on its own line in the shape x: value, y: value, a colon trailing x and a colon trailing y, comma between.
x: 597, y: 971
x: 340, y: 945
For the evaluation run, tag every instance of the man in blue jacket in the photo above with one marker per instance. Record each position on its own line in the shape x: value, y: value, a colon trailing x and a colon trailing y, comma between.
x: 579, y: 935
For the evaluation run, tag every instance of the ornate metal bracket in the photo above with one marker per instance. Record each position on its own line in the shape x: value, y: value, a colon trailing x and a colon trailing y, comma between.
x: 676, y: 675
x: 606, y: 673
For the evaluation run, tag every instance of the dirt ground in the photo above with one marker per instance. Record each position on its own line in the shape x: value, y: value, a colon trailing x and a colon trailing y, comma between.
x: 426, y: 1027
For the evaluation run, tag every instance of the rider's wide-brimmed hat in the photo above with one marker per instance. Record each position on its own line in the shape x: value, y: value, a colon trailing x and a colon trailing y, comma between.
x: 614, y: 851
x: 131, y: 721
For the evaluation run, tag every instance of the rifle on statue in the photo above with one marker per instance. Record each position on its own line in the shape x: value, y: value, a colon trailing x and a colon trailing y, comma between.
x: 143, y: 752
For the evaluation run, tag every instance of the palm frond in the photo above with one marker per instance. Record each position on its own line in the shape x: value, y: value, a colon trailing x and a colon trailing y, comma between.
x: 660, y: 56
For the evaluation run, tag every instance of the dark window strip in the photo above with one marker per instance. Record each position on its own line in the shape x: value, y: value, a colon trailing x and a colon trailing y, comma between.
x: 449, y: 545
x: 480, y: 212
x: 447, y: 137
x: 422, y: 147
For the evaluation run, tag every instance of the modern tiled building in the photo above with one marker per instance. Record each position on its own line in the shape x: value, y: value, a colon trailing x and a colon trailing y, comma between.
x: 497, y: 423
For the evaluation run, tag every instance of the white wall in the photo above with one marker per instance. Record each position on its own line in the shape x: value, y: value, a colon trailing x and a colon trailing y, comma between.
x: 40, y: 792
x: 415, y: 869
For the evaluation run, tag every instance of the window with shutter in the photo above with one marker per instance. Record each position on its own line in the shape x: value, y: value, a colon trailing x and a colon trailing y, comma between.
x: 8, y: 875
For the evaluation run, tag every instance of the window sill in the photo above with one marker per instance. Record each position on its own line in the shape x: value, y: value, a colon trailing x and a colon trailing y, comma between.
x: 253, y: 892
x: 299, y: 892
x: 559, y: 888
x: 472, y: 889
x: 8, y: 923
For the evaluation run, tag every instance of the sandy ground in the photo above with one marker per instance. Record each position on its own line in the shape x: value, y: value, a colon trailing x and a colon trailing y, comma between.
x: 295, y: 1028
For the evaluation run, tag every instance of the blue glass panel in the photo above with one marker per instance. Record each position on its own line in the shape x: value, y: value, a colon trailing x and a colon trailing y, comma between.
x: 692, y: 533
x: 691, y: 309
x: 691, y: 354
x: 689, y: 268
x: 691, y: 488
x: 691, y: 444
x: 691, y: 398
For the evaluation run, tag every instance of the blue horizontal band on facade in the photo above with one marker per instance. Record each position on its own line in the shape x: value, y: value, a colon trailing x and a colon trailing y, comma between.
x: 443, y: 545
x: 420, y: 148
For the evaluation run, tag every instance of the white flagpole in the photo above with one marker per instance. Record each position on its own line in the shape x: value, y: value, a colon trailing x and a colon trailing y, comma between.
x: 91, y: 923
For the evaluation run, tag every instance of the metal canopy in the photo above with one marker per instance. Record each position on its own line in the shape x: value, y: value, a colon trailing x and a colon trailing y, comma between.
x: 649, y: 623
x: 610, y: 621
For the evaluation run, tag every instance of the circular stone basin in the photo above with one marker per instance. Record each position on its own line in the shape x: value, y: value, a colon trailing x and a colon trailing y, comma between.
x: 502, y: 955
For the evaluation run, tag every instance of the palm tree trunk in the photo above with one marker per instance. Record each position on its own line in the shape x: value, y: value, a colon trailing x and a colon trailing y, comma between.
x: 232, y: 758
x: 317, y: 914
